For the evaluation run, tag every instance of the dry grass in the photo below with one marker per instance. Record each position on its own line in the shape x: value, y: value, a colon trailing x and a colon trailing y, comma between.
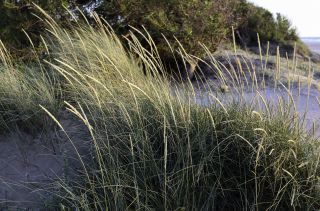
x: 153, y: 146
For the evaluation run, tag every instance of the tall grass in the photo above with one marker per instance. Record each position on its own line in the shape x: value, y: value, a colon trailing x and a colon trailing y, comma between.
x: 155, y: 148
x: 22, y: 88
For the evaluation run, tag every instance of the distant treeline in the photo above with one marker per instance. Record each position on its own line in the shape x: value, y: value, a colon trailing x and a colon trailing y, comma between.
x: 190, y: 22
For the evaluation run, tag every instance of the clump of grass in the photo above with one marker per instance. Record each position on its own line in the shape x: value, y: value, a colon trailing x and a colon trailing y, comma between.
x: 155, y: 148
x: 189, y: 157
x: 23, y: 87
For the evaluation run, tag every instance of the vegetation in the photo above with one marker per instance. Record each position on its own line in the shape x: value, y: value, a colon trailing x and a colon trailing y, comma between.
x: 19, y: 23
x: 187, y: 23
x: 153, y: 146
x: 278, y: 30
x: 261, y: 21
x: 22, y: 89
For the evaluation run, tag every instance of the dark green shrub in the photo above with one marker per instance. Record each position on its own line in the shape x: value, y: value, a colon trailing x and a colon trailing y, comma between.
x: 18, y: 18
x: 190, y: 22
x: 278, y: 30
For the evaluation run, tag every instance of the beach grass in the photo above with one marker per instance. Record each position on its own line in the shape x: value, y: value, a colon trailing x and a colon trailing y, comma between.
x: 153, y: 145
x: 23, y: 88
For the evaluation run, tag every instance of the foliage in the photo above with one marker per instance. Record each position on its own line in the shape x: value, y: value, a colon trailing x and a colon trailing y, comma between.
x: 190, y: 22
x: 278, y: 30
x: 18, y: 21
x: 259, y: 20
x: 284, y: 30
x: 184, y: 22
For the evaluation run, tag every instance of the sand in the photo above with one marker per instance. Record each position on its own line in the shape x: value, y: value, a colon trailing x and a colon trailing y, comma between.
x: 29, y: 165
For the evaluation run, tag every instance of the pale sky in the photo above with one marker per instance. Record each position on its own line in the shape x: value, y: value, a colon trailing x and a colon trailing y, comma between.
x: 304, y: 14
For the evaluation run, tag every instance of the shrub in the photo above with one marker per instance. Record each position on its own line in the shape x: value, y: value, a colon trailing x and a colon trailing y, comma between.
x: 189, y: 22
x: 278, y: 30
x: 18, y: 18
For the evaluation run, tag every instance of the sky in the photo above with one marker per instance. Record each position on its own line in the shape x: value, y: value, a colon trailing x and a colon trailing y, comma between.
x: 304, y: 14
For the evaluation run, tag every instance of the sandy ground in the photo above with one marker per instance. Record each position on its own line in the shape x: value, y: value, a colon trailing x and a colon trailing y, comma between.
x: 30, y: 164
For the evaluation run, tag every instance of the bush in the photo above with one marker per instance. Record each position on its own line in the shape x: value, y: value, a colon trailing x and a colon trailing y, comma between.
x: 18, y: 20
x: 278, y: 30
x: 186, y: 21
x: 259, y: 20
x: 190, y: 22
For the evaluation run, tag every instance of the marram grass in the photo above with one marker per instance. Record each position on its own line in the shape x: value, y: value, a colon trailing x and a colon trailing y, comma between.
x: 155, y: 148
x: 22, y: 88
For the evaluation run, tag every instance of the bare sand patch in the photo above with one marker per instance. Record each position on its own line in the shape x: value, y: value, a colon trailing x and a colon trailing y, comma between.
x: 30, y: 165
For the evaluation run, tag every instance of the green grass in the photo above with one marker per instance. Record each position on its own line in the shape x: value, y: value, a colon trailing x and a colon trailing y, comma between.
x: 153, y: 147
